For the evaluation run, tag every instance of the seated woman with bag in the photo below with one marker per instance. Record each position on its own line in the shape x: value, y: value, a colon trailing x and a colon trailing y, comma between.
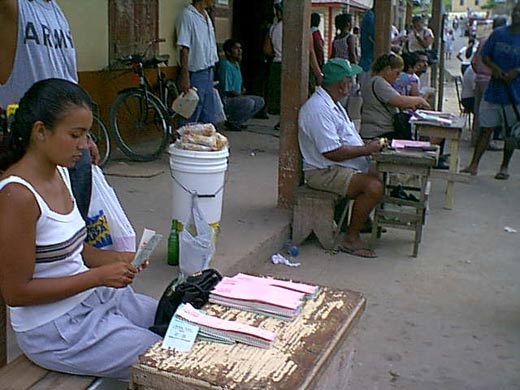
x: 382, y: 103
x: 71, y: 305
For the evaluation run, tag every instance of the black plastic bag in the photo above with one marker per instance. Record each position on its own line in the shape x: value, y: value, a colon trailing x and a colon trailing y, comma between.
x: 194, y: 290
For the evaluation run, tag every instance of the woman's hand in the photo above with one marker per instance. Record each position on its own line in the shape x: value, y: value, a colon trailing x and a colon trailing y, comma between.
x: 128, y: 257
x: 420, y: 103
x: 117, y: 275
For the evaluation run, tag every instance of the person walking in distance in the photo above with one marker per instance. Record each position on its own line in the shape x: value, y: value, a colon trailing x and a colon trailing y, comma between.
x: 501, y: 54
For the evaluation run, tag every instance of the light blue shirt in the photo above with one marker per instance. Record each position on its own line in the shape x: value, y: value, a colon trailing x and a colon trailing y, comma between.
x: 196, y: 32
x: 324, y: 126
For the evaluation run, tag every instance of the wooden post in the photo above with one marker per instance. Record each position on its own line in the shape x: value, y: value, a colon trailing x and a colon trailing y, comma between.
x: 3, y: 333
x: 442, y: 66
x: 437, y: 32
x: 409, y: 11
x: 383, y: 21
x: 295, y: 80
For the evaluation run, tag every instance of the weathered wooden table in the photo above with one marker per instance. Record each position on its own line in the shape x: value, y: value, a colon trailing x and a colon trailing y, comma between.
x: 453, y: 133
x: 408, y: 214
x: 299, y: 359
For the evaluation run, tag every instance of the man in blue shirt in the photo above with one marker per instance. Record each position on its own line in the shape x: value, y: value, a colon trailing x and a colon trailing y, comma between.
x: 238, y: 107
x: 367, y: 44
x: 501, y: 53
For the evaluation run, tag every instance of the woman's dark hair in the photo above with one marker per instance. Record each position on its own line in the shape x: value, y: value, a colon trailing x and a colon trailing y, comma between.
x: 392, y: 60
x: 315, y: 19
x: 470, y: 48
x: 46, y: 101
x: 409, y: 60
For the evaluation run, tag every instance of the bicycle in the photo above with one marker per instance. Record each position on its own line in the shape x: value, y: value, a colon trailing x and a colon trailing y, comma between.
x: 99, y: 134
x: 141, y: 120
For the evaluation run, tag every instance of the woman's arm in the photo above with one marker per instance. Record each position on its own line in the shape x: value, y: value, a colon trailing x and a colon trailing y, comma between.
x: 404, y: 102
x: 94, y: 257
x: 18, y: 215
x: 352, y: 49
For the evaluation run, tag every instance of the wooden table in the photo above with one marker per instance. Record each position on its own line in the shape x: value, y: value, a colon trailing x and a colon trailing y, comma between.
x: 298, y: 359
x: 453, y: 133
x: 397, y: 212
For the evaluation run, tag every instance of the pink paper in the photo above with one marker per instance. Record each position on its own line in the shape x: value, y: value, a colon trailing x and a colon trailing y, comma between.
x: 189, y: 313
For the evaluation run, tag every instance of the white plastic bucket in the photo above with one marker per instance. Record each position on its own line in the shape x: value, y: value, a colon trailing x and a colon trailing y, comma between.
x: 197, y: 172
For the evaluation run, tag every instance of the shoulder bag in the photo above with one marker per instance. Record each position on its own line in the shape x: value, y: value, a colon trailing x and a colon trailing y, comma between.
x: 400, y: 121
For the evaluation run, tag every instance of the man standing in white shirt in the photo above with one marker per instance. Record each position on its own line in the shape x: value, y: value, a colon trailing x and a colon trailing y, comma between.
x: 198, y: 56
x: 335, y: 158
x: 421, y: 37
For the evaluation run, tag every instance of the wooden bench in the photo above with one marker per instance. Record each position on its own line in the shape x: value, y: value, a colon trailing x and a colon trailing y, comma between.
x: 314, y: 212
x: 22, y: 374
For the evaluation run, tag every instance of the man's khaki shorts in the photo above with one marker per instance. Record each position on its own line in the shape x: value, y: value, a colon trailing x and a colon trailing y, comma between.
x: 334, y: 179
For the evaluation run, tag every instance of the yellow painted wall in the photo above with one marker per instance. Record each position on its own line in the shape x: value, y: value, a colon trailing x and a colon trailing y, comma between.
x: 88, y: 21
x: 456, y: 7
x: 89, y: 24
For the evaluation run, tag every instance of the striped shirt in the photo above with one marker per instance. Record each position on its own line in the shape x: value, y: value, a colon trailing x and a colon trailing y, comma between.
x: 59, y: 243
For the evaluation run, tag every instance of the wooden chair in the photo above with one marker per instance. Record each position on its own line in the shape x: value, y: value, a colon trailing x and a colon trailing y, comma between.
x: 22, y: 374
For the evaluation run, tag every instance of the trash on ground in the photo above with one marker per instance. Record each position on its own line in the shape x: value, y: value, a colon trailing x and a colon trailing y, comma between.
x: 509, y: 229
x: 279, y: 259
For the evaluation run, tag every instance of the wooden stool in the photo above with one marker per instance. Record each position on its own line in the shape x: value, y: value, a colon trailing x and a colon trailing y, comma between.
x: 403, y: 213
x: 314, y: 212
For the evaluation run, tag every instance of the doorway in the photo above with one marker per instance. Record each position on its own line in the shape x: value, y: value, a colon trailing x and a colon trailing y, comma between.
x: 251, y: 22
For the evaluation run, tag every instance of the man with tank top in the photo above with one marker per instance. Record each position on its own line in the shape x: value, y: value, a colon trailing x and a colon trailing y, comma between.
x: 36, y: 44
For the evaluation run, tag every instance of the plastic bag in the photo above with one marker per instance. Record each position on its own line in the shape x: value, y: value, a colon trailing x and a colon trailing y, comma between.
x: 220, y: 115
x: 107, y: 224
x: 195, y: 252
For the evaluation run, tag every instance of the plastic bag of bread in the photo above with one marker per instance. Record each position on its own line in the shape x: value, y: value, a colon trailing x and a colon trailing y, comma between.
x: 204, y: 129
x: 195, y: 138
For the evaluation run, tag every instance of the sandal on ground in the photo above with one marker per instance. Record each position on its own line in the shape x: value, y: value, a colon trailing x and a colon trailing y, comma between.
x: 359, y: 252
x: 502, y: 176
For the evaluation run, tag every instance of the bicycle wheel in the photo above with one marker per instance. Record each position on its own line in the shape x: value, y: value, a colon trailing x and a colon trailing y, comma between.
x: 100, y: 136
x: 139, y: 125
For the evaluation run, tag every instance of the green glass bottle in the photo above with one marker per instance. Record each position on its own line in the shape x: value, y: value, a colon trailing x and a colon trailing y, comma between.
x: 173, y: 245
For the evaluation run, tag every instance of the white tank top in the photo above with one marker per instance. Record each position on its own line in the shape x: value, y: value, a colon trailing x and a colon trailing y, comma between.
x: 44, y: 49
x: 59, y: 243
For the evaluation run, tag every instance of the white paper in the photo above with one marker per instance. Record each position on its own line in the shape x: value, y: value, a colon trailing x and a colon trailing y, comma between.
x: 180, y: 335
x: 147, y: 245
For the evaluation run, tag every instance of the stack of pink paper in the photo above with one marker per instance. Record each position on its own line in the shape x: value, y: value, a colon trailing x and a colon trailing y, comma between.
x: 219, y: 328
x: 262, y: 295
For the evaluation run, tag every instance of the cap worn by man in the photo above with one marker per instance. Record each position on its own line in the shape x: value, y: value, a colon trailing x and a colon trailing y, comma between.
x: 336, y: 69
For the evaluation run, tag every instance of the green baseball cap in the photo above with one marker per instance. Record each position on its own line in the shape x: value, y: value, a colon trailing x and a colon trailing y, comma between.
x: 337, y: 69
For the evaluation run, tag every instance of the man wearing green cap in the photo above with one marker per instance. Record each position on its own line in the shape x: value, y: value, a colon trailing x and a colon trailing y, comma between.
x: 335, y: 158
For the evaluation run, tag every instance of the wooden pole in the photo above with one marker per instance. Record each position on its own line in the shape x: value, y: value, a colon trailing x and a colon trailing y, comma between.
x: 442, y: 65
x: 295, y: 80
x: 437, y: 32
x: 383, y: 21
